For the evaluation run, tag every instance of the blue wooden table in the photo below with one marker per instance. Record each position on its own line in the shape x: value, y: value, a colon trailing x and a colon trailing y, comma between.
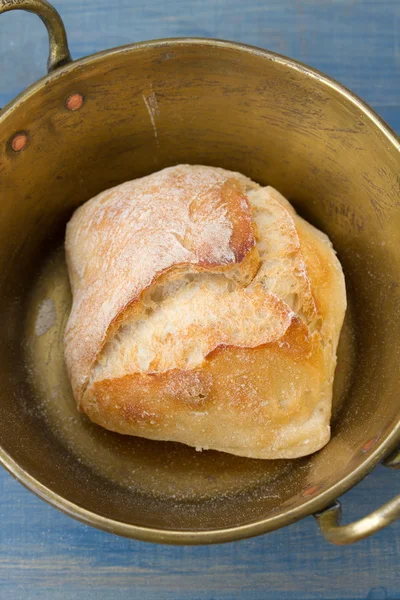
x: 46, y: 555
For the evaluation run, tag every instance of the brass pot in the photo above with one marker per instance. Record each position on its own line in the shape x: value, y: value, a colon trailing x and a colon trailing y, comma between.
x: 124, y: 113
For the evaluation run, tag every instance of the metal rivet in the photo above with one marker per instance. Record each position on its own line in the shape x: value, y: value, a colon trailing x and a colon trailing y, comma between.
x: 74, y: 102
x: 368, y: 445
x: 311, y: 491
x: 19, y: 142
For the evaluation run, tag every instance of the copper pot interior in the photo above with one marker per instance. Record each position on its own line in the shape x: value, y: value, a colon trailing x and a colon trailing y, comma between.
x: 144, y: 109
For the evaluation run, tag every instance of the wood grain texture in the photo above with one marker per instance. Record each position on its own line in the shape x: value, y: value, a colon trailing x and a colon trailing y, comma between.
x: 46, y: 555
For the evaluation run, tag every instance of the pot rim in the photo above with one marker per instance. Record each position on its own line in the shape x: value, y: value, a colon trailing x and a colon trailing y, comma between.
x: 323, y: 498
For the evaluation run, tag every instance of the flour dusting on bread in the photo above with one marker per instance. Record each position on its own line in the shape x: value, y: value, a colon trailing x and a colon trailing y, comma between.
x: 204, y: 311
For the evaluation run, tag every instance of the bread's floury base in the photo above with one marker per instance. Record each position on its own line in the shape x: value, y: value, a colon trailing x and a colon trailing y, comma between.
x: 205, y: 311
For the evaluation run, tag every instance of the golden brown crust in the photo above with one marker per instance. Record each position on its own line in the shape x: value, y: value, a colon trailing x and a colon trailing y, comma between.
x: 236, y: 355
x: 122, y: 240
x: 234, y: 402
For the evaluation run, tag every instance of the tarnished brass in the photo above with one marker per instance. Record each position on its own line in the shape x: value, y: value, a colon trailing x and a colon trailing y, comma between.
x: 393, y: 460
x: 329, y: 523
x: 59, y: 53
x: 145, y: 107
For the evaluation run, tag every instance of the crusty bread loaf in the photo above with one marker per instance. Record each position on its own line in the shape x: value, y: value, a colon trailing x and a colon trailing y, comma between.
x: 205, y: 311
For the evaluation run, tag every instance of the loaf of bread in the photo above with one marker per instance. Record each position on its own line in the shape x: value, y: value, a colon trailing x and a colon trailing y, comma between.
x: 205, y: 311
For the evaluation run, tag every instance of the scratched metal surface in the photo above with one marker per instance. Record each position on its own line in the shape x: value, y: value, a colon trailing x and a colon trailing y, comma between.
x: 46, y: 555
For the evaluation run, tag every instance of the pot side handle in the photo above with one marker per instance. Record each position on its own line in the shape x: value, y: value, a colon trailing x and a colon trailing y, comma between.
x: 59, y: 54
x: 329, y: 519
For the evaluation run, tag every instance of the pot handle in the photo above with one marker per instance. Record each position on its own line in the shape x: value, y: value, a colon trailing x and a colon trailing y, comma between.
x: 329, y: 519
x: 59, y: 54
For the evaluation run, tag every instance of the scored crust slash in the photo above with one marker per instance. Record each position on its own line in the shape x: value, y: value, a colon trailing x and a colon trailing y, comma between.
x: 205, y: 311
